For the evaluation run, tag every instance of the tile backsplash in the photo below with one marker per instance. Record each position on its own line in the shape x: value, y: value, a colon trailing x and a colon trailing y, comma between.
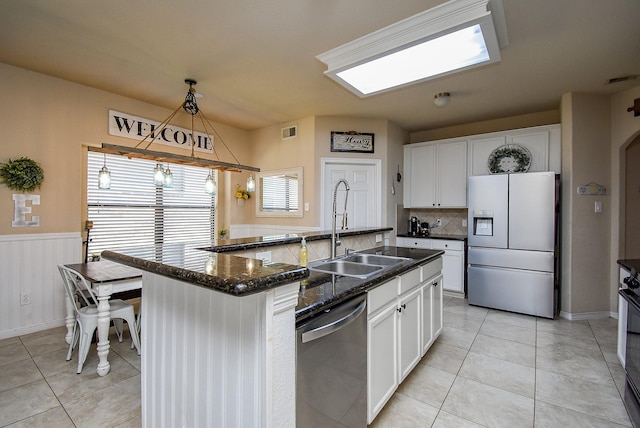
x: 451, y: 220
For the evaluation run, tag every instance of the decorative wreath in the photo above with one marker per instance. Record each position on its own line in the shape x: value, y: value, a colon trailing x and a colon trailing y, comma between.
x: 509, y: 158
x: 22, y: 174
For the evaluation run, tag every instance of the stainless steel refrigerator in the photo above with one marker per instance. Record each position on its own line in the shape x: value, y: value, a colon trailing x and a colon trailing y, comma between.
x: 512, y: 224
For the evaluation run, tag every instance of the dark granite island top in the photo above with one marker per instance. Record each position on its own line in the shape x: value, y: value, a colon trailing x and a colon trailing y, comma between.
x: 321, y: 291
x: 220, y: 272
x: 241, y: 244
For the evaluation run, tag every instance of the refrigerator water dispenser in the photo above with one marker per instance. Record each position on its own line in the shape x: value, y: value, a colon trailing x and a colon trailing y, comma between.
x: 483, y: 223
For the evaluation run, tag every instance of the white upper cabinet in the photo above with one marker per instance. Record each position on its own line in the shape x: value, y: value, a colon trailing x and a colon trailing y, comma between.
x: 542, y: 142
x: 436, y: 175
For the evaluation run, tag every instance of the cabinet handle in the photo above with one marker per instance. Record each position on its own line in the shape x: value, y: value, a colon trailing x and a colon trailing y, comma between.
x: 399, y: 310
x: 404, y: 306
x: 435, y: 283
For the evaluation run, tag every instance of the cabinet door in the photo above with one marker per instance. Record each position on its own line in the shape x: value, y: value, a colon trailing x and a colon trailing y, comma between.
x: 409, y: 332
x: 427, y: 314
x: 382, y: 372
x: 436, y: 306
x: 422, y: 178
x: 453, y: 271
x: 452, y: 175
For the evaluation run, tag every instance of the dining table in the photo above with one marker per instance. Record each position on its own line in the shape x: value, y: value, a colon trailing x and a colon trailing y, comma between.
x: 106, y: 278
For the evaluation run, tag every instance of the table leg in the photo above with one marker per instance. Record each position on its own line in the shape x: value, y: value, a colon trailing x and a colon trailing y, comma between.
x: 69, y: 320
x: 103, y: 295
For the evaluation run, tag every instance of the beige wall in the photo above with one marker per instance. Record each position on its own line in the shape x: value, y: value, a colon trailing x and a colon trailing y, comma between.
x: 549, y: 117
x: 586, y: 119
x: 50, y: 120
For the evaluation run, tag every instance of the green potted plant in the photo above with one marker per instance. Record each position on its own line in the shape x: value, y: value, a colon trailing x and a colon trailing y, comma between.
x: 223, y: 233
x: 22, y: 174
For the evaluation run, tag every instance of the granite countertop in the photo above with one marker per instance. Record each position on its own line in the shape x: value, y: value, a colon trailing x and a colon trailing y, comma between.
x: 220, y: 272
x: 241, y: 244
x: 455, y: 237
x: 630, y: 265
x: 320, y: 291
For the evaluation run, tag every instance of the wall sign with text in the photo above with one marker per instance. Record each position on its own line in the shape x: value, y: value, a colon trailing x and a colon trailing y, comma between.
x: 136, y: 128
x: 351, y: 142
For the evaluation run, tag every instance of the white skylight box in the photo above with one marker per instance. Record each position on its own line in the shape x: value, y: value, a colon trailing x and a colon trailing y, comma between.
x: 454, y: 36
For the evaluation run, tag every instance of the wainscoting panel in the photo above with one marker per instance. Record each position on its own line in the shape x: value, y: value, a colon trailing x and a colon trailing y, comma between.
x: 29, y: 273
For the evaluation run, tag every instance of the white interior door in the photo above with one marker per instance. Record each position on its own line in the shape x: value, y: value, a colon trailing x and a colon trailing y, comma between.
x: 364, y: 207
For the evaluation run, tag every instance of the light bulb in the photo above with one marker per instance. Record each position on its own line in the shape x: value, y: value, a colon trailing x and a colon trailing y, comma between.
x: 158, y: 176
x: 210, y: 185
x: 251, y: 184
x: 104, y: 176
x: 168, y: 178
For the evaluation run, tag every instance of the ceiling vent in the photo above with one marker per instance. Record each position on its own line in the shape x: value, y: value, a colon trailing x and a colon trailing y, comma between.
x: 289, y: 132
x: 621, y: 79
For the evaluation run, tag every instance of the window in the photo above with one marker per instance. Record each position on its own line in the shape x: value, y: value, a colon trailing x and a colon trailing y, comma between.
x: 135, y: 214
x: 279, y: 193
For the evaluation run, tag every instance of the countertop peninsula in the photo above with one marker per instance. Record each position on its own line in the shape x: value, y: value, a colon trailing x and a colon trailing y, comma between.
x: 240, y: 244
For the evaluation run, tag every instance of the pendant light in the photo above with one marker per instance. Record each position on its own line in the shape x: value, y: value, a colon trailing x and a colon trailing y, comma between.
x: 168, y: 177
x: 158, y: 176
x: 210, y: 185
x: 104, y: 176
x: 251, y: 184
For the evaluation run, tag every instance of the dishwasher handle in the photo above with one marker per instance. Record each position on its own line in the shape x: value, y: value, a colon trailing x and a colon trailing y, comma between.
x: 325, y: 329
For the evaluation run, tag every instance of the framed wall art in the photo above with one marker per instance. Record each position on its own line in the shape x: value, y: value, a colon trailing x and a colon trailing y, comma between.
x: 351, y: 141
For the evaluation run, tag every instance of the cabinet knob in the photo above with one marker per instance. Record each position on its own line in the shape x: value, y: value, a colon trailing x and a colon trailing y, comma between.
x: 404, y: 306
x: 399, y: 309
x: 435, y: 283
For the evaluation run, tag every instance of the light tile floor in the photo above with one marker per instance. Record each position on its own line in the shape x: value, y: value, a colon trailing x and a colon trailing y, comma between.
x: 498, y: 369
x: 488, y: 369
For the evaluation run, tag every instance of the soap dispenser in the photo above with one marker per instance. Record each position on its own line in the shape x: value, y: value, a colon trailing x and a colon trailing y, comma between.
x: 303, y: 253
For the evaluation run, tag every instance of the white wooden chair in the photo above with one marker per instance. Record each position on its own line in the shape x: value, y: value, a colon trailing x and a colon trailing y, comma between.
x: 87, y: 315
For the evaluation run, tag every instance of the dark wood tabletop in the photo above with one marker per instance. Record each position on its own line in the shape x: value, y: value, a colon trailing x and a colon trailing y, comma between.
x: 105, y: 271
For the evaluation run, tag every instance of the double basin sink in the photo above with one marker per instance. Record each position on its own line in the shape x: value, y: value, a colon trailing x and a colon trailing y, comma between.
x: 357, y: 265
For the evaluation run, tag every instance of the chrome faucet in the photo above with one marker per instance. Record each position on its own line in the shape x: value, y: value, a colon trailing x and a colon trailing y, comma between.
x: 335, y: 243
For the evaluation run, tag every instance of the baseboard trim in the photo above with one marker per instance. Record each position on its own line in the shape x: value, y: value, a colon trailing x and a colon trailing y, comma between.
x: 31, y: 329
x: 585, y: 315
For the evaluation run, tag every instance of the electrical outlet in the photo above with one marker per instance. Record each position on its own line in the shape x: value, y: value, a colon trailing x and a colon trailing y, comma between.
x: 438, y: 222
x: 25, y: 299
x: 265, y: 256
x: 464, y: 222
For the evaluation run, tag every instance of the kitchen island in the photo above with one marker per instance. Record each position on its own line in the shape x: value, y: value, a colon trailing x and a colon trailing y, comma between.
x: 218, y: 345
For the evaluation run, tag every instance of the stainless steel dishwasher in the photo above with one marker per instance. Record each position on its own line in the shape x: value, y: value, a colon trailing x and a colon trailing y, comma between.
x: 331, y: 369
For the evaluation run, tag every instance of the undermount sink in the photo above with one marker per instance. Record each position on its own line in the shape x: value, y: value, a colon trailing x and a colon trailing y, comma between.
x: 375, y: 259
x: 357, y: 265
x: 345, y: 268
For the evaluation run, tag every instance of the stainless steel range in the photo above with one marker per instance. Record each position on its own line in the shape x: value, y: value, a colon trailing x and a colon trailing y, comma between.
x: 632, y: 348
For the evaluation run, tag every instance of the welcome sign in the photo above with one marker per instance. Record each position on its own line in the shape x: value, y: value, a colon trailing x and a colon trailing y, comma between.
x: 136, y: 128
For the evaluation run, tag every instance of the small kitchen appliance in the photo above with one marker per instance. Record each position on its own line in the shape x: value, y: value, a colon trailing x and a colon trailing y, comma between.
x: 414, y: 226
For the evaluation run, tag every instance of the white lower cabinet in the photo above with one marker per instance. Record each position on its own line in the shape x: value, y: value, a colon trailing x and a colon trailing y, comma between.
x: 403, y: 320
x: 452, y: 260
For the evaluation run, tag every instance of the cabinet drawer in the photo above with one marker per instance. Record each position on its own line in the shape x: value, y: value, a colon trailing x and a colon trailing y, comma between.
x: 413, y: 242
x: 446, y: 244
x: 431, y: 269
x: 382, y: 295
x: 409, y: 280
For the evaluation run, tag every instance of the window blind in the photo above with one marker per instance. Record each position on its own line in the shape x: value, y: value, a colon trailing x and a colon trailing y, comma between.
x: 280, y: 193
x: 135, y: 214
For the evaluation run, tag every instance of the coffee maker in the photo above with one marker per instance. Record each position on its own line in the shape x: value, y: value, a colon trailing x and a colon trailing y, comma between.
x: 414, y: 226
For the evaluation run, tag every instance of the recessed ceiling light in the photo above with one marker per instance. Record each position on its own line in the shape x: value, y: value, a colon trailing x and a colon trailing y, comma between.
x: 454, y: 36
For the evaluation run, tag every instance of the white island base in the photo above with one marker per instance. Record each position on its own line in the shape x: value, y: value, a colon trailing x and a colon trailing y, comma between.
x: 210, y: 359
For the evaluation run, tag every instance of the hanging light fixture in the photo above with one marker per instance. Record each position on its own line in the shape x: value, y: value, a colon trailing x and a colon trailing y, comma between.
x: 104, y: 176
x: 168, y: 178
x: 190, y: 106
x: 158, y: 176
x: 251, y: 184
x: 210, y: 185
